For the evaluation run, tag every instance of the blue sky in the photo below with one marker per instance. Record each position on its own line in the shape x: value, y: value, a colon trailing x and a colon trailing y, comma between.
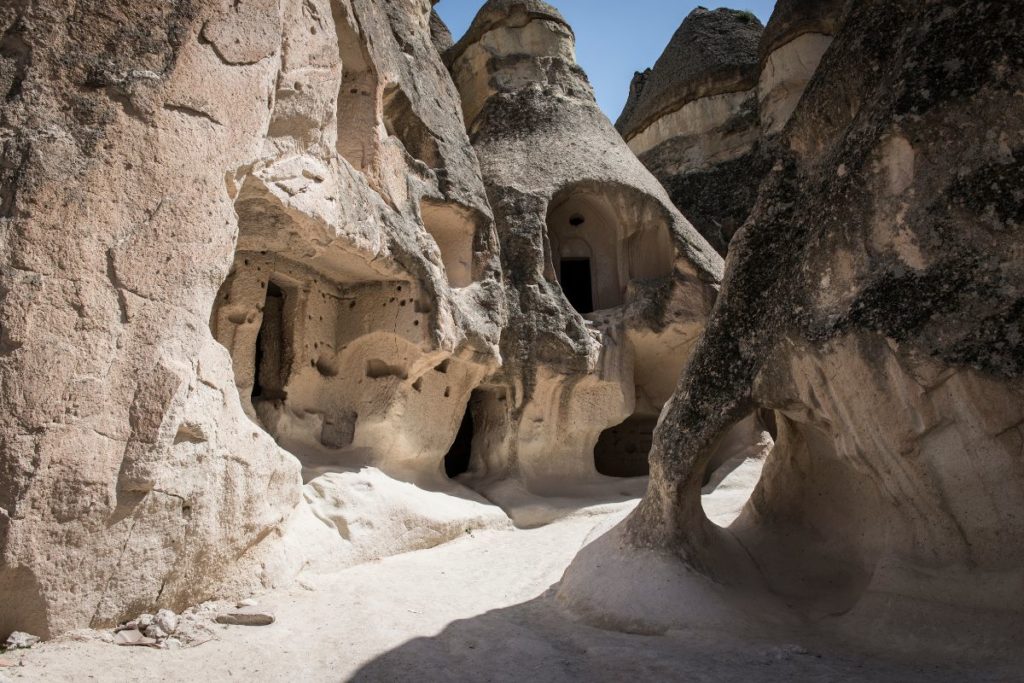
x: 613, y: 38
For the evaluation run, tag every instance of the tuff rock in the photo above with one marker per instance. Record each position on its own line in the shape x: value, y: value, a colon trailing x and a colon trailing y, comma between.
x: 873, y: 302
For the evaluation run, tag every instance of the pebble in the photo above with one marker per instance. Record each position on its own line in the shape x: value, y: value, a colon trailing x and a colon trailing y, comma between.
x: 20, y: 640
x: 166, y: 620
x: 248, y: 602
x: 246, y: 617
x: 155, y: 632
x: 132, y: 637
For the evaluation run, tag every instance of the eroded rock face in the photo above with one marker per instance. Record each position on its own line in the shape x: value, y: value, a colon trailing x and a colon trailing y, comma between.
x: 873, y: 301
x: 607, y: 285
x: 299, y: 169
x: 796, y: 38
x: 693, y: 120
x: 705, y: 118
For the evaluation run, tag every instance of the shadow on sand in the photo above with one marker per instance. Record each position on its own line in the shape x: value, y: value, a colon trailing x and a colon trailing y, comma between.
x: 537, y: 642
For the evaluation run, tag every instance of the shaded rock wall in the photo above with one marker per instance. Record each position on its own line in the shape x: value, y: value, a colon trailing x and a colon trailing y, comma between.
x: 873, y: 301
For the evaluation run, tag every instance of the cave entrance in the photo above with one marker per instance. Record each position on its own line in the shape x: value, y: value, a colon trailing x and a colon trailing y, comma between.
x: 577, y: 284
x: 273, y: 348
x: 622, y: 450
x: 457, y: 460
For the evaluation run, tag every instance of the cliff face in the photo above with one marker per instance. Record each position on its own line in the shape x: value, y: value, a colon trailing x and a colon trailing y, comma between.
x: 704, y: 117
x: 299, y: 169
x: 873, y: 301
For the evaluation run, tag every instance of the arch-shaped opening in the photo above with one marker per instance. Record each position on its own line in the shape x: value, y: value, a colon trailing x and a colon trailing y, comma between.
x: 802, y: 499
x: 735, y: 467
x: 611, y: 235
x: 321, y: 347
x: 623, y: 450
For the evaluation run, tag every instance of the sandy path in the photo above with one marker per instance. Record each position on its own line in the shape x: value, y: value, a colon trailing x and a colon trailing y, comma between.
x: 477, y: 609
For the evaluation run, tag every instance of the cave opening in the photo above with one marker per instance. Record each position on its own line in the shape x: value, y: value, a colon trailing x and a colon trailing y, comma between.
x: 622, y: 450
x: 270, y: 372
x: 577, y: 284
x: 459, y: 455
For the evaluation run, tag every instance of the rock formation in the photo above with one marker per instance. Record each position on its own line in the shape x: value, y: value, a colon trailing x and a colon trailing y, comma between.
x: 704, y: 117
x: 796, y: 38
x: 693, y: 120
x: 256, y: 311
x: 289, y: 285
x: 582, y: 225
x: 302, y: 170
x: 874, y: 302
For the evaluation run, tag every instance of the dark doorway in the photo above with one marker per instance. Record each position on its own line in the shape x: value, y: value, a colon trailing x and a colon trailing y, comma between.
x: 577, y: 285
x: 622, y: 451
x: 270, y: 373
x: 458, y: 458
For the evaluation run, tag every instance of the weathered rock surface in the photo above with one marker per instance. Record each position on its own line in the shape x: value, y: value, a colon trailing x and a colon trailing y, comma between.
x: 259, y: 238
x: 796, y: 38
x: 607, y: 285
x: 874, y: 302
x: 704, y: 118
x: 299, y: 168
x: 693, y: 120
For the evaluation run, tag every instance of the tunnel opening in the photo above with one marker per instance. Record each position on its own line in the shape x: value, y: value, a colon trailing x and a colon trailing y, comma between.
x: 273, y: 348
x: 577, y: 284
x: 622, y: 451
x: 460, y: 454
x: 735, y: 466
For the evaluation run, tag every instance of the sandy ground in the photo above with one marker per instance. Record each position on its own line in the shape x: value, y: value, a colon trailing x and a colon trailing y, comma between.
x: 480, y: 608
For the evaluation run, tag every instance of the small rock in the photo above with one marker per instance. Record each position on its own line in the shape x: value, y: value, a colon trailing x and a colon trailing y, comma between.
x: 155, y: 632
x: 246, y: 617
x: 167, y: 620
x: 133, y: 637
x: 172, y: 644
x: 20, y: 640
x: 248, y: 602
x: 144, y: 620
